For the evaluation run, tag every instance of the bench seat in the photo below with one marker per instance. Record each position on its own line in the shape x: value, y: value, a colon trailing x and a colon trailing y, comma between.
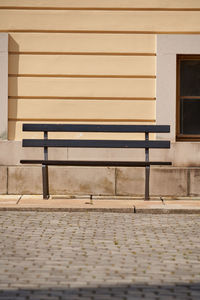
x: 99, y: 163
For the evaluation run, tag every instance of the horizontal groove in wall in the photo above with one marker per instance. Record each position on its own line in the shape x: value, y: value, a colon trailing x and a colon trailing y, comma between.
x: 99, y: 8
x: 81, y: 120
x: 82, y: 98
x: 82, y: 53
x: 82, y: 76
x: 99, y: 31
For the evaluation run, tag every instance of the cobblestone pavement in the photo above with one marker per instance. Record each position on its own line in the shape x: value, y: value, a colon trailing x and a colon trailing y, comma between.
x: 59, y: 255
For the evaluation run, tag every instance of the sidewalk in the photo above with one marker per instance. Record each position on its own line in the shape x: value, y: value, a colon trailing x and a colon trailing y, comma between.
x: 99, y: 204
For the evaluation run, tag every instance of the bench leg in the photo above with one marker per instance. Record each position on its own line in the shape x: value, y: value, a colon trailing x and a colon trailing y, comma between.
x: 45, y: 182
x: 147, y: 173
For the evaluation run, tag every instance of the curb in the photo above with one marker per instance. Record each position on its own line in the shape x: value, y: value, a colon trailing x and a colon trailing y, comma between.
x: 66, y: 209
x: 167, y: 211
x: 105, y: 210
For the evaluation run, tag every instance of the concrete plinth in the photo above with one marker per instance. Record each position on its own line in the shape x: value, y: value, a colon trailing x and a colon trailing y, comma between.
x: 3, y: 180
x: 168, y: 181
x: 25, y: 180
x: 164, y: 181
x: 194, y: 183
x: 70, y: 180
x: 62, y: 180
x: 130, y: 181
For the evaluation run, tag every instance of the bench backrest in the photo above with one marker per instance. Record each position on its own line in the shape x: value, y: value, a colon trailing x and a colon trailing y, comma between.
x: 96, y: 143
x: 46, y: 143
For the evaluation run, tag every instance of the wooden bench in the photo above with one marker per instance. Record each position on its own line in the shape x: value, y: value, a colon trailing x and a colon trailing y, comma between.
x: 46, y: 143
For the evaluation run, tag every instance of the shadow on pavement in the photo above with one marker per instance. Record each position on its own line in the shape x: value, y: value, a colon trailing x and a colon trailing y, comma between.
x: 107, y: 292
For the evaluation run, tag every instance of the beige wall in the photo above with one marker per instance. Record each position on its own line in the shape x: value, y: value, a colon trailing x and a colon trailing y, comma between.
x: 87, y: 61
x: 91, y: 61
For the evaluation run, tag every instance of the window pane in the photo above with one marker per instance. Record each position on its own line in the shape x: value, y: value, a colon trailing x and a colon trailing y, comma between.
x: 190, y: 77
x: 190, y: 116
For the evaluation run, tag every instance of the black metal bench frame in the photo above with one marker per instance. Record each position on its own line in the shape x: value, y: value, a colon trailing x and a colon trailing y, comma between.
x: 46, y: 143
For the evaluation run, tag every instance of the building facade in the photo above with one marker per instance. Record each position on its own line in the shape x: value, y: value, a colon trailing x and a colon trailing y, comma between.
x: 108, y: 61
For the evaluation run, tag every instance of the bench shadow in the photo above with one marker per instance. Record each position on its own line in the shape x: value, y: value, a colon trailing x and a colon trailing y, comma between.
x: 119, y: 291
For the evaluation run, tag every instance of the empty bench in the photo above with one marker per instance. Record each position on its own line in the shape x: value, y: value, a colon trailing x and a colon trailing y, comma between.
x: 45, y: 143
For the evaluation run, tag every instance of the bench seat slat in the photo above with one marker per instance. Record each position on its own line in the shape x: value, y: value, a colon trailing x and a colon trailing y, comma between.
x: 94, y: 163
x: 95, y: 128
x: 96, y: 143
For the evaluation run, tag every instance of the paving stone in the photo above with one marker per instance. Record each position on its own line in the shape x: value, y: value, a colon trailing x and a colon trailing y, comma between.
x: 49, y: 255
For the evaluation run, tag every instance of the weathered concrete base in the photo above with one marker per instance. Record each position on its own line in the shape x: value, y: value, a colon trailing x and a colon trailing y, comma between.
x: 164, y: 181
x: 62, y: 180
x: 3, y: 180
x: 194, y: 182
x: 169, y: 182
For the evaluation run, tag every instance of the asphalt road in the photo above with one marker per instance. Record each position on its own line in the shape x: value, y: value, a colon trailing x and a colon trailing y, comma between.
x: 60, y: 255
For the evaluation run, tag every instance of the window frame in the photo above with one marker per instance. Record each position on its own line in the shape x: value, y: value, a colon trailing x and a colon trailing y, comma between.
x: 182, y: 136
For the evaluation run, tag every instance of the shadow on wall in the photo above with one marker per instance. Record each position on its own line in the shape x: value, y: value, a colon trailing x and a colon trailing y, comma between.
x: 119, y: 291
x: 12, y: 86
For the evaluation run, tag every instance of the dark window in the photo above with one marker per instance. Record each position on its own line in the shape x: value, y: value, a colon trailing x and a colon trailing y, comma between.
x: 188, y: 97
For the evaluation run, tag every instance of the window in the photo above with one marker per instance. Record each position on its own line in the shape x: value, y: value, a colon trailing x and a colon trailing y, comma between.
x: 169, y: 46
x: 188, y: 98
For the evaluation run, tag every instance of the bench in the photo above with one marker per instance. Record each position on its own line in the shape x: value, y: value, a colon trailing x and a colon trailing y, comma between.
x: 45, y: 143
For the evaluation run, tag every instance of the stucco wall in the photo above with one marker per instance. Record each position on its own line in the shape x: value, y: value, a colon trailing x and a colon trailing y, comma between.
x: 87, y: 61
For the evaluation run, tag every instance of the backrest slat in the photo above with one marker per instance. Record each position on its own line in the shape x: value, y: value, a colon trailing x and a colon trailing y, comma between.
x: 95, y: 128
x: 96, y: 143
